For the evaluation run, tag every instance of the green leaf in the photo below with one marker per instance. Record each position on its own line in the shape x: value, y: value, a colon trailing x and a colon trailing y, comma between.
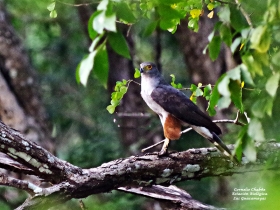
x: 95, y: 42
x: 98, y: 21
x: 236, y: 94
x: 260, y: 39
x: 111, y: 109
x: 198, y: 92
x: 123, y: 90
x: 150, y: 28
x: 245, y: 75
x: 53, y: 14
x: 255, y: 130
x: 224, y: 14
x: 234, y: 73
x: 92, y: 33
x: 214, y: 47
x: 137, y: 73
x: 253, y: 66
x: 51, y: 6
x: 240, y: 142
x: 86, y: 67
x: 193, y: 24
x: 276, y: 58
x: 214, y: 98
x: 124, y: 12
x: 103, y: 5
x: 272, y: 83
x: 223, y: 87
x: 235, y: 44
x: 224, y: 102
x: 207, y: 91
x: 226, y: 35
x: 210, y: 6
x: 262, y: 106
x: 250, y: 150
x: 101, y: 66
x: 110, y: 21
x: 193, y: 87
x: 237, y: 20
x: 262, y: 58
x: 118, y: 44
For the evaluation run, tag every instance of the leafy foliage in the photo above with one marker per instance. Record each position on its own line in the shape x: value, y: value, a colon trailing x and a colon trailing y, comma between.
x: 253, y: 39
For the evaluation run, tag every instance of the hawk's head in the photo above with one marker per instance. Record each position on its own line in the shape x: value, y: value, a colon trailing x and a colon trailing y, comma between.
x: 148, y: 68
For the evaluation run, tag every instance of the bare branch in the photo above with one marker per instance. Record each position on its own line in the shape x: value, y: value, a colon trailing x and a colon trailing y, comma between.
x: 41, y: 162
x: 20, y: 184
x: 175, y: 196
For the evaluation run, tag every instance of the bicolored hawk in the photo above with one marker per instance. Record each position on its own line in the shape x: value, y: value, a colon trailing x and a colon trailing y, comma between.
x: 175, y: 109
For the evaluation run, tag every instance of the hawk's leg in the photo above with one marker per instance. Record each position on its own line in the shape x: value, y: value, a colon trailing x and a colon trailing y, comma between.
x: 164, y: 148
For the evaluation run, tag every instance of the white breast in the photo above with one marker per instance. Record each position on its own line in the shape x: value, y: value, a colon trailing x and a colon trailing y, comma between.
x: 147, y: 86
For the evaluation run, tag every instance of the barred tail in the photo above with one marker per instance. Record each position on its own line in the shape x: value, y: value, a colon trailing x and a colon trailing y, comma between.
x: 222, y: 147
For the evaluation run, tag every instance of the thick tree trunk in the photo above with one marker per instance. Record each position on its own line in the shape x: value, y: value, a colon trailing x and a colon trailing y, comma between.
x: 20, y: 101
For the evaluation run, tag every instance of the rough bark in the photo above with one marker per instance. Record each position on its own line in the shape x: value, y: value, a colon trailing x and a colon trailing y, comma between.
x: 69, y: 181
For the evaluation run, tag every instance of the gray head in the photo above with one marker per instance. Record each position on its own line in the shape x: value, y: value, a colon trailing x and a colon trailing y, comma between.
x: 149, y: 69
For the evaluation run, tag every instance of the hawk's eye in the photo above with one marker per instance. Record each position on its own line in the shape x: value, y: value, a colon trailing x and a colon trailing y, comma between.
x: 149, y: 67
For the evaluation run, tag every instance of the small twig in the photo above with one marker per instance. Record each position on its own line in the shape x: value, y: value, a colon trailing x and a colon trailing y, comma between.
x: 77, y: 5
x: 154, y: 145
x: 19, y: 184
x: 224, y: 2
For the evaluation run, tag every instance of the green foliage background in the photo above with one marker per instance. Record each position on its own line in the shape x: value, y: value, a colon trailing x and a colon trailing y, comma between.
x: 88, y: 138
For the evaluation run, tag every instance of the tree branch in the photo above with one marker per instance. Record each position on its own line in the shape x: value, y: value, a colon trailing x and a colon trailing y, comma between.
x: 176, y: 196
x: 133, y: 172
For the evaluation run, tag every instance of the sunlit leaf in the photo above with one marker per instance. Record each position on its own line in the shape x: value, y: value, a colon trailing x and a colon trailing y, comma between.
x: 86, y: 67
x: 253, y: 66
x: 276, y: 59
x: 92, y: 33
x: 255, y: 130
x: 260, y: 39
x: 235, y: 44
x: 53, y: 14
x: 249, y: 149
x: 245, y: 75
x: 98, y: 22
x: 111, y: 109
x: 224, y: 102
x: 224, y: 14
x: 51, y: 6
x: 210, y: 6
x: 110, y: 21
x: 211, y: 14
x: 195, y: 13
x: 272, y: 83
x: 137, y: 73
x: 103, y: 5
x: 223, y: 87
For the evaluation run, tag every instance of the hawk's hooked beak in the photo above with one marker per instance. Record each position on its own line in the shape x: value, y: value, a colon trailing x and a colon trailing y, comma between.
x: 141, y: 70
